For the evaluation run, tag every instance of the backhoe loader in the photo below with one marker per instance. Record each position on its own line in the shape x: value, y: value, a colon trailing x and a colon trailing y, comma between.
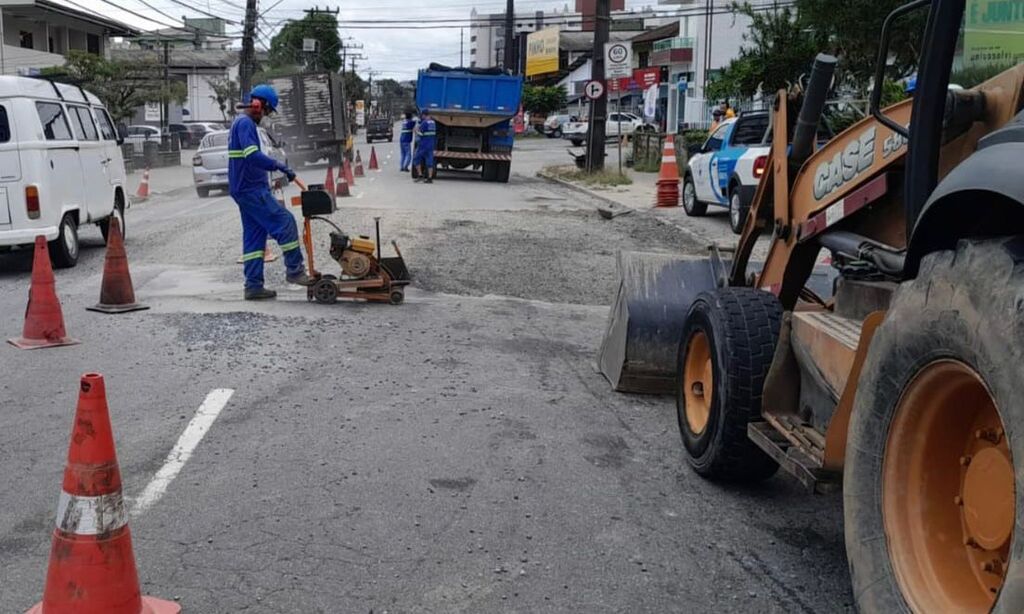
x: 904, y: 385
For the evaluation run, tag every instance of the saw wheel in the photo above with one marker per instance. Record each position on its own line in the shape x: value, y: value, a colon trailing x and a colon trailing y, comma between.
x: 355, y: 264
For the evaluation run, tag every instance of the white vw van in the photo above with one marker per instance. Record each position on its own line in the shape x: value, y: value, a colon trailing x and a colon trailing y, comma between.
x: 60, y: 165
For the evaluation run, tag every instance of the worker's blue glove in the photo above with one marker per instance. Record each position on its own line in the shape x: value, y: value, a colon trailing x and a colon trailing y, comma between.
x: 289, y: 173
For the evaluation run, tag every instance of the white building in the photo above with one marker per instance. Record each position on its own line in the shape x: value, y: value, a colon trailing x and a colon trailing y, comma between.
x: 705, y: 43
x: 39, y: 33
x: 198, y: 69
x: 487, y: 32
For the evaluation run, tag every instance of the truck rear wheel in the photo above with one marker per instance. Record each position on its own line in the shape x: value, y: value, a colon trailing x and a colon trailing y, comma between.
x: 932, y: 491
x: 727, y: 347
x: 503, y: 172
x: 490, y: 171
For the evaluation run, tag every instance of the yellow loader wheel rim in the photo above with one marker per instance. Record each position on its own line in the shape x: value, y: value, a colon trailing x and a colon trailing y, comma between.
x: 948, y: 496
x: 698, y: 382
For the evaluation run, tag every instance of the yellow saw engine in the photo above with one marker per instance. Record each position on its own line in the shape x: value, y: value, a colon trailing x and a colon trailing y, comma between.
x: 355, y: 254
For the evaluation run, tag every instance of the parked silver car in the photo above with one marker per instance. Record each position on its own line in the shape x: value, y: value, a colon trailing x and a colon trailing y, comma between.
x: 210, y: 164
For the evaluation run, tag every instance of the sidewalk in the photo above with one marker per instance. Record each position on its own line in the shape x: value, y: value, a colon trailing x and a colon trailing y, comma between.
x: 640, y: 196
x: 165, y: 180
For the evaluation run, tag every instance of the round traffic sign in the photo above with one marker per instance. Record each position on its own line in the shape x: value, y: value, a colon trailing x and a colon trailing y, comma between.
x: 594, y: 90
x: 618, y: 53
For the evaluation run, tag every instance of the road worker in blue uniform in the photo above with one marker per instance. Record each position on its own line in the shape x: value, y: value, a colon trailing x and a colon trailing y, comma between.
x: 261, y: 214
x: 427, y: 138
x: 405, y: 141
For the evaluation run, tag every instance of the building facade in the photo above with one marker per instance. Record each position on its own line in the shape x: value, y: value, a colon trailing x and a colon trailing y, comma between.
x: 39, y: 34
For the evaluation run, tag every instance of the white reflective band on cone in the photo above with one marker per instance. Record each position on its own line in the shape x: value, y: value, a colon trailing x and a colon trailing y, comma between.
x: 668, y: 159
x: 82, y: 515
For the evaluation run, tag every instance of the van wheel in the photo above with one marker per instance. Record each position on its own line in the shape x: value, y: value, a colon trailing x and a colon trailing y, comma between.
x: 933, y: 487
x: 118, y: 212
x: 726, y: 348
x: 64, y: 249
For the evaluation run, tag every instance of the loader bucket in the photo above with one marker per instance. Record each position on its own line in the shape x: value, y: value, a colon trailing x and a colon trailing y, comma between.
x: 638, y: 353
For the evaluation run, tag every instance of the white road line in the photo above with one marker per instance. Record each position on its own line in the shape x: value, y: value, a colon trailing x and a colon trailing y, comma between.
x: 182, y: 451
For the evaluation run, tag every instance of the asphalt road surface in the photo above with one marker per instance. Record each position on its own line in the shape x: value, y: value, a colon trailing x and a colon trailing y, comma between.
x: 457, y: 453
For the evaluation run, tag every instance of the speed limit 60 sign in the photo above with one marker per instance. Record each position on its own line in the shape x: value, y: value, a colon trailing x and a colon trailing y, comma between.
x: 618, y: 60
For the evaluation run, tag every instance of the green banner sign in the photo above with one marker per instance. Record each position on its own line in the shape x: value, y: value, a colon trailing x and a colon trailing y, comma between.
x: 994, y: 33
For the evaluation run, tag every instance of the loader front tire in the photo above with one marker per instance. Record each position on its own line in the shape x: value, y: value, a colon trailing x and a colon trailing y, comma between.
x: 725, y: 351
x: 933, y: 486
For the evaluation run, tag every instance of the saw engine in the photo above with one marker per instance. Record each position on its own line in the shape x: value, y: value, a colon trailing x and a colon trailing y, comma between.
x: 354, y: 254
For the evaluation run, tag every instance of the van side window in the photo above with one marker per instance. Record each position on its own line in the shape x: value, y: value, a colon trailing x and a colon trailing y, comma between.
x: 83, y: 124
x: 5, y: 127
x: 55, y: 125
x: 106, y: 126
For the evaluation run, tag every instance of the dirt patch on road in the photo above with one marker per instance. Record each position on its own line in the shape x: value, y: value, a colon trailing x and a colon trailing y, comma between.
x: 554, y: 256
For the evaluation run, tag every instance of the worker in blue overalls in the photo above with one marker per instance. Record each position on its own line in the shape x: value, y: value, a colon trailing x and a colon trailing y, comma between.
x: 405, y: 141
x: 250, y: 187
x: 424, y: 158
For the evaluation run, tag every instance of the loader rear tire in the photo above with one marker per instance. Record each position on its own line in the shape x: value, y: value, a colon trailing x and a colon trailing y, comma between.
x: 933, y: 482
x: 725, y: 351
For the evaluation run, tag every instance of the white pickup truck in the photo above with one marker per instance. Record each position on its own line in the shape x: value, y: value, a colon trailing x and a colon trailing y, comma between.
x: 576, y: 132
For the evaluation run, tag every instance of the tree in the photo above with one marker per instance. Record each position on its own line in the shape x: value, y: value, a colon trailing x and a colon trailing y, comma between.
x: 543, y: 100
x: 225, y: 94
x: 286, y: 46
x: 123, y: 86
x: 851, y: 30
x: 776, y: 50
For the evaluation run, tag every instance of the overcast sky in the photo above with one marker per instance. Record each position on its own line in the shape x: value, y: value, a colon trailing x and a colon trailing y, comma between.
x: 394, y: 53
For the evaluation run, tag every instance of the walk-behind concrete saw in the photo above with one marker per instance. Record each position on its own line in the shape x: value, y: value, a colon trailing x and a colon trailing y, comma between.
x: 365, y: 274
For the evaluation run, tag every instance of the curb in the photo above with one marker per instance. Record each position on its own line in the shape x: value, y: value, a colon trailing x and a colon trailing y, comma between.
x: 598, y: 196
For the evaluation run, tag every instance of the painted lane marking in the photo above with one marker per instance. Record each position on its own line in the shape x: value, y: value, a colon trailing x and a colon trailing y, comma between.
x: 182, y: 450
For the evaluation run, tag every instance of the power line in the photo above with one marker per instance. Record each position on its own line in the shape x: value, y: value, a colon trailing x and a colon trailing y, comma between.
x: 126, y: 10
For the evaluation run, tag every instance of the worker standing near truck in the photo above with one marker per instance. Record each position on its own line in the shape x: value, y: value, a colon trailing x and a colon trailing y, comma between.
x: 405, y: 141
x: 250, y: 188
x: 424, y: 158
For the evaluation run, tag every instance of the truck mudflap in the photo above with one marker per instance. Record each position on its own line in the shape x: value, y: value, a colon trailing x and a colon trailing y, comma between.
x: 638, y: 353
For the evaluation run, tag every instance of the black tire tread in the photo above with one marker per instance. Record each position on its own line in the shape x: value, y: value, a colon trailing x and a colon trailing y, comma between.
x: 750, y: 322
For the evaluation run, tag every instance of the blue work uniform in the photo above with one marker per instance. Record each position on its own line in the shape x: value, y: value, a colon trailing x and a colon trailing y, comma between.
x: 425, y: 144
x: 261, y: 214
x: 405, y: 141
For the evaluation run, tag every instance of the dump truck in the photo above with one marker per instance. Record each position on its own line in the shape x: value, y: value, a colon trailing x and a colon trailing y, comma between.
x: 473, y: 109
x: 900, y: 384
x: 310, y: 121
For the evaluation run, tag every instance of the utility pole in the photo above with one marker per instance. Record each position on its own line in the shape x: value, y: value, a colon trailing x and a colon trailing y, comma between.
x: 247, y: 59
x: 461, y: 32
x: 165, y: 114
x: 599, y: 107
x: 510, y: 16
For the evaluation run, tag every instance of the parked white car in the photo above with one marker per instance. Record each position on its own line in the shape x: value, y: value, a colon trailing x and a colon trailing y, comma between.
x: 60, y: 166
x: 576, y: 132
x: 140, y: 134
x: 728, y: 167
x: 210, y: 164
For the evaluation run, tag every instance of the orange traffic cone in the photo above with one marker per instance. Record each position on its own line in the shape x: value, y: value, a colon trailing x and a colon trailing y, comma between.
x: 341, y: 190
x: 668, y: 176
x: 359, y: 165
x: 349, y: 177
x: 116, y: 292
x: 143, y: 192
x: 92, y: 566
x: 329, y: 181
x: 44, y: 321
x: 373, y: 160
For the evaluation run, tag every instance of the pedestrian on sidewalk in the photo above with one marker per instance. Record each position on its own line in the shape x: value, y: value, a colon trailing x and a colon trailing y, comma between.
x: 405, y: 141
x: 260, y: 211
x: 424, y: 158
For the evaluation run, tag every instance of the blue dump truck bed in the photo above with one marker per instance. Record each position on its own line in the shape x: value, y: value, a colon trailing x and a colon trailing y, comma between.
x: 465, y: 91
x: 473, y: 109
